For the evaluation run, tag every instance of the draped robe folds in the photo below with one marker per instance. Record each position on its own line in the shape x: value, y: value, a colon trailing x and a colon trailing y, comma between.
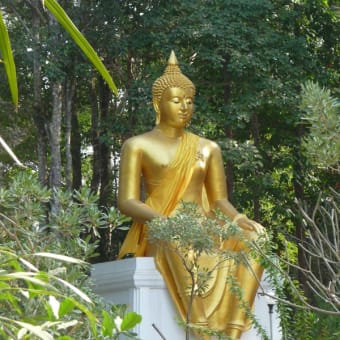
x: 213, y: 307
x: 165, y: 197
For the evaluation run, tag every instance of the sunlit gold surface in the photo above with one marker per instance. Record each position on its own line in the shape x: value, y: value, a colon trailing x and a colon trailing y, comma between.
x: 177, y: 165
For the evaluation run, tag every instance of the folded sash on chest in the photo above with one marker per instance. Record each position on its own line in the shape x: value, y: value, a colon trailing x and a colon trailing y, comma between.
x: 165, y: 197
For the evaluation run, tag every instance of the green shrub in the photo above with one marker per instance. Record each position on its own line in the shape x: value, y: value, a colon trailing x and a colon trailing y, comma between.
x: 45, y: 288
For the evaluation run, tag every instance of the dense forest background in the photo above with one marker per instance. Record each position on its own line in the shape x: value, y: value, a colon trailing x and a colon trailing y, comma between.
x: 248, y: 60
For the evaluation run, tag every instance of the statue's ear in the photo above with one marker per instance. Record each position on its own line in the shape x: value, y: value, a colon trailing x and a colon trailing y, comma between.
x: 157, y: 110
x: 155, y: 104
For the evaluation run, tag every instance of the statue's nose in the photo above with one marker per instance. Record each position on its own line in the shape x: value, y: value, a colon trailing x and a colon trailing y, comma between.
x: 184, y: 105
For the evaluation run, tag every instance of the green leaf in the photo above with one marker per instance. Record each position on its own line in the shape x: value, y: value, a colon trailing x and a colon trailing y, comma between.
x: 80, y: 40
x: 60, y: 257
x: 64, y: 325
x: 66, y: 307
x: 8, y: 60
x: 91, y: 317
x: 36, y: 330
x: 49, y: 311
x: 107, y: 324
x: 12, y: 300
x: 130, y: 320
x: 74, y: 289
x: 29, y: 265
x: 27, y: 276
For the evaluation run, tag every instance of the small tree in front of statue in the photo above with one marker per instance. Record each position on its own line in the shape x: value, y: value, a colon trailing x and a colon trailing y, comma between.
x: 190, y: 235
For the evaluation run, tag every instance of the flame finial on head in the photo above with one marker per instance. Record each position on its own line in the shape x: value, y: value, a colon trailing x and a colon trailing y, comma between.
x: 173, y: 65
x: 172, y: 59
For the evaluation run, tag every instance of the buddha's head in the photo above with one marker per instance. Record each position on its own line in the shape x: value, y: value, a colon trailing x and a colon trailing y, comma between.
x: 172, y: 78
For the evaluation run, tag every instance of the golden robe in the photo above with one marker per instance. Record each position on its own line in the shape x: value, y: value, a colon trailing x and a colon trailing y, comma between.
x: 213, y: 308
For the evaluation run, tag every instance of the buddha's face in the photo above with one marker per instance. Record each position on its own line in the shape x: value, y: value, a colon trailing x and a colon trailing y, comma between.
x: 175, y: 107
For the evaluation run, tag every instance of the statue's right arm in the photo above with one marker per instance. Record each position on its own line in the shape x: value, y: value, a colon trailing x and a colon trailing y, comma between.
x: 129, y: 202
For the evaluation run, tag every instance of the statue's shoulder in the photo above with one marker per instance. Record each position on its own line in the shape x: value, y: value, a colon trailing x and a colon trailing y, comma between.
x: 138, y: 142
x: 208, y: 143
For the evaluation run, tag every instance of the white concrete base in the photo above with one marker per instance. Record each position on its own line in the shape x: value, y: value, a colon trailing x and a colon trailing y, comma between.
x: 137, y: 283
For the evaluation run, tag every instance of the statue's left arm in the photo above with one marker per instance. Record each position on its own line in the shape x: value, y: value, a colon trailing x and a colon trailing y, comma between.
x: 216, y: 187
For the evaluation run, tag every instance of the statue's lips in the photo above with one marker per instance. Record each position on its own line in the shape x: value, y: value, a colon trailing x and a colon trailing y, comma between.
x: 183, y: 116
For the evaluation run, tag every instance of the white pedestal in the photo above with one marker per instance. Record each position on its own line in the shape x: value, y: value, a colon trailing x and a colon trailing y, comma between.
x: 137, y: 283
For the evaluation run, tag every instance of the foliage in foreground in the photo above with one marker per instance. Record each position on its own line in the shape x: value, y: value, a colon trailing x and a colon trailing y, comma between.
x: 44, y: 294
x: 190, y: 235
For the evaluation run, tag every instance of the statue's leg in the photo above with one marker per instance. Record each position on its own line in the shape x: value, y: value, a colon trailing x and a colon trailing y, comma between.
x: 248, y: 277
x: 193, y: 304
x: 218, y: 302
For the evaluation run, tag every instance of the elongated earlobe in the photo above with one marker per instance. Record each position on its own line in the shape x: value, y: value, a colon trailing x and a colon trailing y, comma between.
x: 156, y: 108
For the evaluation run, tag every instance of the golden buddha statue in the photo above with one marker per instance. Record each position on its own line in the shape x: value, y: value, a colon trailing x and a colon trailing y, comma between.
x: 176, y: 166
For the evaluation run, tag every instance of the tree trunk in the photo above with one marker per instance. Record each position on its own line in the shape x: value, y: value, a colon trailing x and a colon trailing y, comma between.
x: 55, y: 132
x: 69, y: 90
x: 56, y: 119
x: 106, y: 180
x: 95, y: 181
x: 228, y: 129
x: 38, y: 116
x: 102, y: 172
x: 256, y: 136
x: 76, y: 150
x: 300, y: 231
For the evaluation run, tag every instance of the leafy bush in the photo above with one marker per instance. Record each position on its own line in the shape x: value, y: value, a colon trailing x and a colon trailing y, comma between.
x: 44, y: 294
x: 321, y: 114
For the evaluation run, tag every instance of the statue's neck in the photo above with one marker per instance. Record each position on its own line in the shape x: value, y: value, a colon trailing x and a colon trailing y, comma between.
x: 169, y: 132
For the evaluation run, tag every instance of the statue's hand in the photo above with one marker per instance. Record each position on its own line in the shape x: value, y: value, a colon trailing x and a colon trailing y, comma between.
x: 249, y: 225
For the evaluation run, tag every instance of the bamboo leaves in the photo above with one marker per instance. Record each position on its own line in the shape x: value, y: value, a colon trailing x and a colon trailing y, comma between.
x: 80, y: 40
x: 64, y: 20
x: 8, y: 60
